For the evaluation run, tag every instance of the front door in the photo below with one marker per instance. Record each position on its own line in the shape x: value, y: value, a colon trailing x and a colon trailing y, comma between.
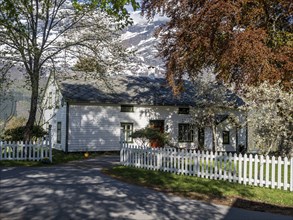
x: 158, y: 125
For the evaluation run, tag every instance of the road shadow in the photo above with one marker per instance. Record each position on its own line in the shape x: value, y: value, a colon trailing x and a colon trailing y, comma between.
x: 70, y: 192
x: 81, y: 191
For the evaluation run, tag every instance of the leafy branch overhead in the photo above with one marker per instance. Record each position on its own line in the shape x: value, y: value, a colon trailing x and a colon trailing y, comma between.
x: 246, y: 41
x: 41, y: 35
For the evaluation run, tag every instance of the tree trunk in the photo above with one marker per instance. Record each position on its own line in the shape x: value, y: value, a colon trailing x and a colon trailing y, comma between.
x: 33, y: 107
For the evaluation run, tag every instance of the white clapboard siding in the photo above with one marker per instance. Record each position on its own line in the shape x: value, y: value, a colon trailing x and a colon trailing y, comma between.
x: 34, y: 150
x: 244, y: 169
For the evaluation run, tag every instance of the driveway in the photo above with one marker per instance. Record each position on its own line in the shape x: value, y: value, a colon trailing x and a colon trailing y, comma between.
x: 79, y: 190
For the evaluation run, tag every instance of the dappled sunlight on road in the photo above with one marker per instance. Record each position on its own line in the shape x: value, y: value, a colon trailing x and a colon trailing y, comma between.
x: 83, y: 192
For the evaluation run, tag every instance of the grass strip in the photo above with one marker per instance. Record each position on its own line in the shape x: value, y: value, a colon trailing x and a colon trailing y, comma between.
x: 218, y: 191
x: 58, y: 157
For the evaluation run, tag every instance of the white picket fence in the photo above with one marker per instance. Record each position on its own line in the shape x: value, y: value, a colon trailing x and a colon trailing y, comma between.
x: 21, y: 150
x: 244, y: 169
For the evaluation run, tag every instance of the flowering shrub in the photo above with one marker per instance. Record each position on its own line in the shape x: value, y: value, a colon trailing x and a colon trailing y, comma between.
x: 270, y: 116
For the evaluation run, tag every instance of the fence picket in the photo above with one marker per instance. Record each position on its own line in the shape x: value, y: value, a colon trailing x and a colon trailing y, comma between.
x: 182, y: 161
x: 230, y: 167
x: 252, y: 170
x: 216, y: 166
x: 202, y: 165
x: 220, y: 165
x: 207, y: 164
x: 285, y: 186
x: 198, y: 163
x: 267, y: 171
x: 211, y: 165
x: 25, y: 150
x: 279, y: 172
x: 235, y: 158
x: 291, y: 174
x: 225, y: 164
x: 261, y: 171
x: 240, y: 168
x: 273, y: 173
x: 255, y: 170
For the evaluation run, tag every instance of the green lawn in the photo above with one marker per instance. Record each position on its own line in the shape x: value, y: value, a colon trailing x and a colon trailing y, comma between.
x: 200, y: 188
x: 58, y: 157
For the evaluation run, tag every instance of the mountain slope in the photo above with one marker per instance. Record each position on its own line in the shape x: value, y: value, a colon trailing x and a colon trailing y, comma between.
x: 140, y: 38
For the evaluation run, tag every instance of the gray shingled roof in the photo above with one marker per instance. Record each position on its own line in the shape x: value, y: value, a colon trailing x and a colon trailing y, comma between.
x: 136, y: 90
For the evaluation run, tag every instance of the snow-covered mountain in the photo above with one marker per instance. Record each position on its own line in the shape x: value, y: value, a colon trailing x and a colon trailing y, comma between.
x: 139, y: 38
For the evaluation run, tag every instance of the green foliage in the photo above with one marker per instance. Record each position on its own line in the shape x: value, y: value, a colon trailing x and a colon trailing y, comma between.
x: 115, y: 8
x: 17, y: 133
x: 151, y: 134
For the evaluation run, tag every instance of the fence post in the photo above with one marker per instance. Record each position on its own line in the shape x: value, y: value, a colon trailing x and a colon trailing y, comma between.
x: 291, y: 174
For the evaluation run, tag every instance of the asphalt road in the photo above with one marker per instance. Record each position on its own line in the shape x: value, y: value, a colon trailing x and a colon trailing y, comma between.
x: 80, y: 191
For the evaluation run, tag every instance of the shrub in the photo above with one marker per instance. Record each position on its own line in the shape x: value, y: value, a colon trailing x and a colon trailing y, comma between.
x: 17, y: 133
x: 148, y: 134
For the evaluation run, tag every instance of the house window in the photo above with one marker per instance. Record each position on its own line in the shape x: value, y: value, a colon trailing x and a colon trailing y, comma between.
x: 201, y: 137
x: 58, y: 132
x: 185, y: 133
x: 184, y: 111
x: 226, y: 137
x: 127, y: 130
x: 127, y: 108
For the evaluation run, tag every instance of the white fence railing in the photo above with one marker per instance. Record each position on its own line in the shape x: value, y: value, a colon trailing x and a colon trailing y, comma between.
x: 21, y: 150
x: 244, y: 169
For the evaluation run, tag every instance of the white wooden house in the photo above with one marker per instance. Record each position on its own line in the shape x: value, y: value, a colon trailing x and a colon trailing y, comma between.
x: 89, y: 115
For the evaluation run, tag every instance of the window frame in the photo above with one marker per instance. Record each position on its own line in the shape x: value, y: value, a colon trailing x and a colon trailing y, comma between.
x: 225, y: 135
x: 127, y: 137
x: 183, y: 110
x: 189, y: 135
x: 59, y: 132
x: 123, y: 108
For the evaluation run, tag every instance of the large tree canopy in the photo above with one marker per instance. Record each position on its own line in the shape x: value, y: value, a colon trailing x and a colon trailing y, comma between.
x: 37, y: 34
x: 245, y: 41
